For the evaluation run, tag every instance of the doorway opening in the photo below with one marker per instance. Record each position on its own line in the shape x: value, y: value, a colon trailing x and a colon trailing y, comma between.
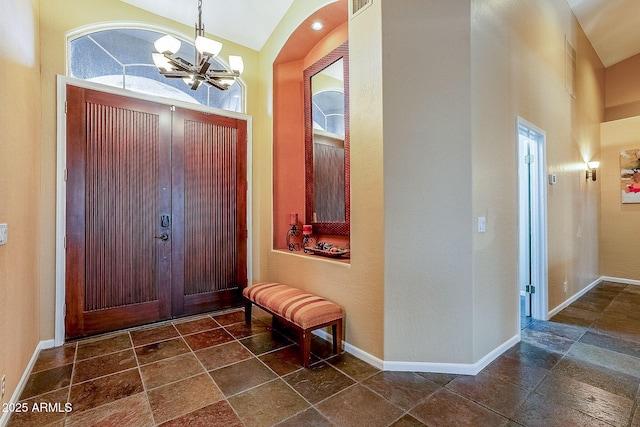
x: 532, y: 224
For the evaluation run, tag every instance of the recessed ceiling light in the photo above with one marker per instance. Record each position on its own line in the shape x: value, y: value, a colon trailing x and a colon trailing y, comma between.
x: 317, y: 25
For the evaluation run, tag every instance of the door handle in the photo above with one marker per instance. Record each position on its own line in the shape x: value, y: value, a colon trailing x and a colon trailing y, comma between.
x: 164, y: 237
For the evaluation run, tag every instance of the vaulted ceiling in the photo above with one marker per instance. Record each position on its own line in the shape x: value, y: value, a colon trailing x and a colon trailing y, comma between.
x: 246, y: 22
x: 612, y: 26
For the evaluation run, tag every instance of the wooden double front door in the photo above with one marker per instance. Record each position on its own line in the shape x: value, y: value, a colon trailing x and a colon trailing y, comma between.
x: 155, y: 212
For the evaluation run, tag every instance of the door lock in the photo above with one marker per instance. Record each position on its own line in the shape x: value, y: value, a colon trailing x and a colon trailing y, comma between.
x: 164, y: 237
x: 165, y: 221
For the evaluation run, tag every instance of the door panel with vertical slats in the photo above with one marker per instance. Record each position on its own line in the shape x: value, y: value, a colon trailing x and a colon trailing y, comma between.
x: 209, y: 155
x: 210, y: 192
x: 121, y: 207
x: 118, y: 154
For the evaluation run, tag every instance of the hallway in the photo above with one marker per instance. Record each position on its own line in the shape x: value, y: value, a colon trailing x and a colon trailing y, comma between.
x: 582, y: 368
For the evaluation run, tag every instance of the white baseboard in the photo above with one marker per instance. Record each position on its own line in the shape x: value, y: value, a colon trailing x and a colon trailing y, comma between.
x: 4, y: 419
x: 573, y: 298
x: 593, y: 284
x: 360, y: 354
x: 445, y: 368
x: 452, y: 368
x: 620, y: 280
x: 462, y: 368
x: 588, y: 288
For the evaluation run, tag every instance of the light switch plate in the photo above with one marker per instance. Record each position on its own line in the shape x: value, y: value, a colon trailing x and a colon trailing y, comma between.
x: 3, y: 234
x: 482, y: 224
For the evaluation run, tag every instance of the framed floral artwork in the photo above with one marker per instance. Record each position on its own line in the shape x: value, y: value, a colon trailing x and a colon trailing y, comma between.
x: 630, y: 176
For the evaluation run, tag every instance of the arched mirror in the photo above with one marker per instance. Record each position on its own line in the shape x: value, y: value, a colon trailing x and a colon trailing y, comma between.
x: 326, y: 98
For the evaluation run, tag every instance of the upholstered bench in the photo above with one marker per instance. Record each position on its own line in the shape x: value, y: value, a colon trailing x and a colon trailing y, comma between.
x: 303, y: 311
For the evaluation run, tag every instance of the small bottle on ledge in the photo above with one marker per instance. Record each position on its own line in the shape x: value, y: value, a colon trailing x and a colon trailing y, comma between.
x: 294, y: 231
x: 307, y: 241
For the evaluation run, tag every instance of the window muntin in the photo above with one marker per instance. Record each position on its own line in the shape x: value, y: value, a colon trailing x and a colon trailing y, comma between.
x: 121, y: 57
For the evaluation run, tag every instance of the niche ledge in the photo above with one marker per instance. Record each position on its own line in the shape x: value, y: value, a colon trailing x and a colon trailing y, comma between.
x: 341, y: 260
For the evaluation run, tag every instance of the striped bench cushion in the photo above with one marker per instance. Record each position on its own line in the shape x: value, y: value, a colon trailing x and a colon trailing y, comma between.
x: 299, y: 307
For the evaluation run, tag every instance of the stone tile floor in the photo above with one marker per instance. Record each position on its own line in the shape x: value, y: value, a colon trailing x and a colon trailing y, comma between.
x: 582, y: 368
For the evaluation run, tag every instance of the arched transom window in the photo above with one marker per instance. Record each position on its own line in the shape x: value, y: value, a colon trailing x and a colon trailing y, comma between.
x: 121, y: 57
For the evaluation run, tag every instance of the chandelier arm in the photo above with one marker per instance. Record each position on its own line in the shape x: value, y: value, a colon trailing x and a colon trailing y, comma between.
x: 204, y: 66
x: 215, y: 83
x: 176, y: 74
x: 216, y: 74
x: 179, y: 63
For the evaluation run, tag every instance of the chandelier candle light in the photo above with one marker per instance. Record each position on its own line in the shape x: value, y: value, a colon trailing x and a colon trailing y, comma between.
x: 173, y: 66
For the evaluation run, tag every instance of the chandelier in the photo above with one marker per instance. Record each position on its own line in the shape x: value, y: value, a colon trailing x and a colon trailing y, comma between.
x: 194, y: 75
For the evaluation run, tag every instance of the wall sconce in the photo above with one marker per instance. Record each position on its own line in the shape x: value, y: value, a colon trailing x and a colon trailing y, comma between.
x: 592, y: 167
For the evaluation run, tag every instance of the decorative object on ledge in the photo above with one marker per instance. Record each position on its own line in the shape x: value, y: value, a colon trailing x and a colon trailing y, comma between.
x: 308, y: 240
x: 326, y: 249
x: 173, y: 66
x: 294, y: 231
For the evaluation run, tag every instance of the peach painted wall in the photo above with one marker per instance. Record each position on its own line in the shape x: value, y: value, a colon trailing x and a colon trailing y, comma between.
x: 288, y: 148
x: 20, y: 170
x: 288, y: 134
x: 623, y: 89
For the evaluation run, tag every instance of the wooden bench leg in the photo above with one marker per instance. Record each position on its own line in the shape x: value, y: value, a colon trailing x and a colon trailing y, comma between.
x: 247, y: 311
x: 336, y: 330
x: 306, y: 347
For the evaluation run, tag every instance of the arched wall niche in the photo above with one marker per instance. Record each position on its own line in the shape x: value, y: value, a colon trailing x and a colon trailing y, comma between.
x: 303, y: 48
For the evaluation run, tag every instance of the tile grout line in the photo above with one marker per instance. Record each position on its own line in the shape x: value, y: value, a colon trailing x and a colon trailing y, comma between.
x: 208, y: 372
x: 144, y: 385
x: 73, y: 369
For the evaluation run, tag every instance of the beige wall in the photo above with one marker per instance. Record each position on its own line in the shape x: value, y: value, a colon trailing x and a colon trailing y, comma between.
x: 518, y: 70
x: 427, y: 180
x: 19, y: 187
x: 451, y: 294
x: 619, y: 224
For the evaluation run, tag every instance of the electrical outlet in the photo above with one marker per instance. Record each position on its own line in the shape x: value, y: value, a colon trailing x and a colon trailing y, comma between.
x: 566, y: 286
x: 3, y: 234
x: 2, y: 386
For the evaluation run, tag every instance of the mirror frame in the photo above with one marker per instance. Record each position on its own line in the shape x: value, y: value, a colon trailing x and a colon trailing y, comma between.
x: 336, y: 228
